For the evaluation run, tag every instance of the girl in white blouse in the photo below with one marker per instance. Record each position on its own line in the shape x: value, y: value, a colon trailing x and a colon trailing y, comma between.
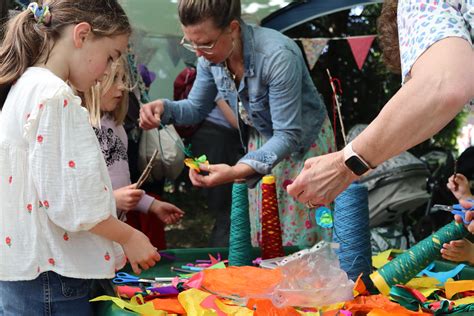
x: 58, y: 225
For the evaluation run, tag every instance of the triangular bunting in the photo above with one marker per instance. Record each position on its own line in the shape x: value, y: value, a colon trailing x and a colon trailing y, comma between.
x: 313, y: 47
x: 360, y: 47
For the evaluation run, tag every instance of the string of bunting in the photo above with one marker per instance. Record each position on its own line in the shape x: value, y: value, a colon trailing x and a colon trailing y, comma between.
x: 314, y: 47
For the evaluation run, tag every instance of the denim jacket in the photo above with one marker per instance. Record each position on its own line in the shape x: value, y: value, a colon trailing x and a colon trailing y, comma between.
x: 276, y: 91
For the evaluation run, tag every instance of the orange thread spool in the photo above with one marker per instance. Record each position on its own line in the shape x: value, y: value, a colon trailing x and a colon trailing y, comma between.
x: 271, y: 230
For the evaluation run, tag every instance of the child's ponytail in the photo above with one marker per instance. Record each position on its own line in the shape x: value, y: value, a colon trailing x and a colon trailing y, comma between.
x: 30, y: 35
x: 22, y: 46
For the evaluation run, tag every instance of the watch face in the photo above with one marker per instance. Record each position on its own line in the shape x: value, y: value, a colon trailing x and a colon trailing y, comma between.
x: 356, y: 165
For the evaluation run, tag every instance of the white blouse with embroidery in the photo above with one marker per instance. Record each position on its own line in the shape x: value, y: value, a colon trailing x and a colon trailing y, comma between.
x: 54, y: 185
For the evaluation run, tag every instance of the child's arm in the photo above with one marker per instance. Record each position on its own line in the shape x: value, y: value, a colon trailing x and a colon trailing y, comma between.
x: 137, y: 247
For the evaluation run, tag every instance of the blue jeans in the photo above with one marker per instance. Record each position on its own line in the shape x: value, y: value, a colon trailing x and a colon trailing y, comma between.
x: 49, y: 294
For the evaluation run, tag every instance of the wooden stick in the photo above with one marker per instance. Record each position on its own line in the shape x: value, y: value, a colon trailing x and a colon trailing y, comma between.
x: 146, y: 173
x: 338, y: 106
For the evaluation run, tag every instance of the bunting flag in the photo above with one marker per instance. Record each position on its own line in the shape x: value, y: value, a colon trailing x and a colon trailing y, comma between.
x: 313, y: 47
x: 360, y: 47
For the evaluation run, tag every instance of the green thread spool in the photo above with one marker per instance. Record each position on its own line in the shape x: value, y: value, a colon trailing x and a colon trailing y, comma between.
x: 240, y: 246
x: 407, y: 265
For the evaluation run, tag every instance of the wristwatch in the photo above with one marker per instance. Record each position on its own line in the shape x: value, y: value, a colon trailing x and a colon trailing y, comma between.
x: 354, y: 162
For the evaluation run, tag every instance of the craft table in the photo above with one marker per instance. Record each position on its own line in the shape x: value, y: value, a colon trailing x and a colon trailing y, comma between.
x: 184, y: 256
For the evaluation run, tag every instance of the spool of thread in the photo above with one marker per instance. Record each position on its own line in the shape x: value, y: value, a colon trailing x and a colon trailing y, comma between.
x: 407, y: 265
x: 351, y: 231
x: 271, y: 229
x: 240, y: 246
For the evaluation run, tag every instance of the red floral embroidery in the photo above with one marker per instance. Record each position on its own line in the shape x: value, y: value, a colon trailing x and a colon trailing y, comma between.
x: 46, y: 204
x: 29, y: 207
x: 10, y: 179
x: 40, y: 139
x: 65, y: 103
x: 72, y: 164
x: 41, y: 106
x: 51, y: 261
x: 107, y: 256
x: 8, y: 241
x: 66, y: 237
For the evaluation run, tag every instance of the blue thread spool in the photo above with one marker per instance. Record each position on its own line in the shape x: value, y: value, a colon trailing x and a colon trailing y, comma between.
x: 351, y: 231
x: 240, y: 246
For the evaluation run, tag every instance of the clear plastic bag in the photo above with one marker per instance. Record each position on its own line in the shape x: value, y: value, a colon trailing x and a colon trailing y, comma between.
x: 312, y: 277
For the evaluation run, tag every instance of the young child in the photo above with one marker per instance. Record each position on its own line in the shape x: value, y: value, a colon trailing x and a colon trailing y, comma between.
x: 58, y: 225
x: 107, y: 104
x: 463, y: 249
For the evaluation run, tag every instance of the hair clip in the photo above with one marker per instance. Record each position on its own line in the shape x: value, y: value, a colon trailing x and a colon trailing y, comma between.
x: 41, y: 13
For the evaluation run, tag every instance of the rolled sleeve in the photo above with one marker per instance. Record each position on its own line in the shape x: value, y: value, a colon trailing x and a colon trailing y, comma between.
x: 68, y: 168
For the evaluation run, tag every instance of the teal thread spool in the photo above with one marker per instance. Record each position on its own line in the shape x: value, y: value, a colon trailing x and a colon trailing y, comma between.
x: 240, y: 246
x: 407, y: 265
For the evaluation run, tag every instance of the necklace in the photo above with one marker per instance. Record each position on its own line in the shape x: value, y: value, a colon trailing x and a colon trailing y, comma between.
x: 229, y: 72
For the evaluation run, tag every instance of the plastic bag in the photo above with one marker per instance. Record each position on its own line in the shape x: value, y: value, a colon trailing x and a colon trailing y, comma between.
x: 311, y: 278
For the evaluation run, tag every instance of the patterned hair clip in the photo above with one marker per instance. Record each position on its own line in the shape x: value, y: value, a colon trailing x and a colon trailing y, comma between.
x: 41, y: 13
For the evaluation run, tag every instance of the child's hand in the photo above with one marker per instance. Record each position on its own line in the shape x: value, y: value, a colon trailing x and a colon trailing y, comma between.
x: 140, y: 252
x: 166, y: 212
x: 459, y: 250
x: 460, y: 189
x: 128, y: 197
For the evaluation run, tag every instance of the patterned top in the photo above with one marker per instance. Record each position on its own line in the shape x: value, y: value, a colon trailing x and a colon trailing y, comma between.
x: 431, y: 21
x: 114, y: 144
x: 54, y: 185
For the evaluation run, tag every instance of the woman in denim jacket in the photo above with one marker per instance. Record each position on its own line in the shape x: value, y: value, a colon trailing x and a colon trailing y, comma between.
x: 262, y: 75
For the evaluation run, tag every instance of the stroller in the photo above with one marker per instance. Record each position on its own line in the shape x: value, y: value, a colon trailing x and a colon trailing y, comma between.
x: 396, y: 188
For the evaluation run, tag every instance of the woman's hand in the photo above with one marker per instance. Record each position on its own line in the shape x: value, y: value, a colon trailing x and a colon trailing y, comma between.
x: 150, y: 114
x: 321, y: 179
x: 128, y: 197
x: 459, y: 186
x: 216, y: 175
x: 166, y: 212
